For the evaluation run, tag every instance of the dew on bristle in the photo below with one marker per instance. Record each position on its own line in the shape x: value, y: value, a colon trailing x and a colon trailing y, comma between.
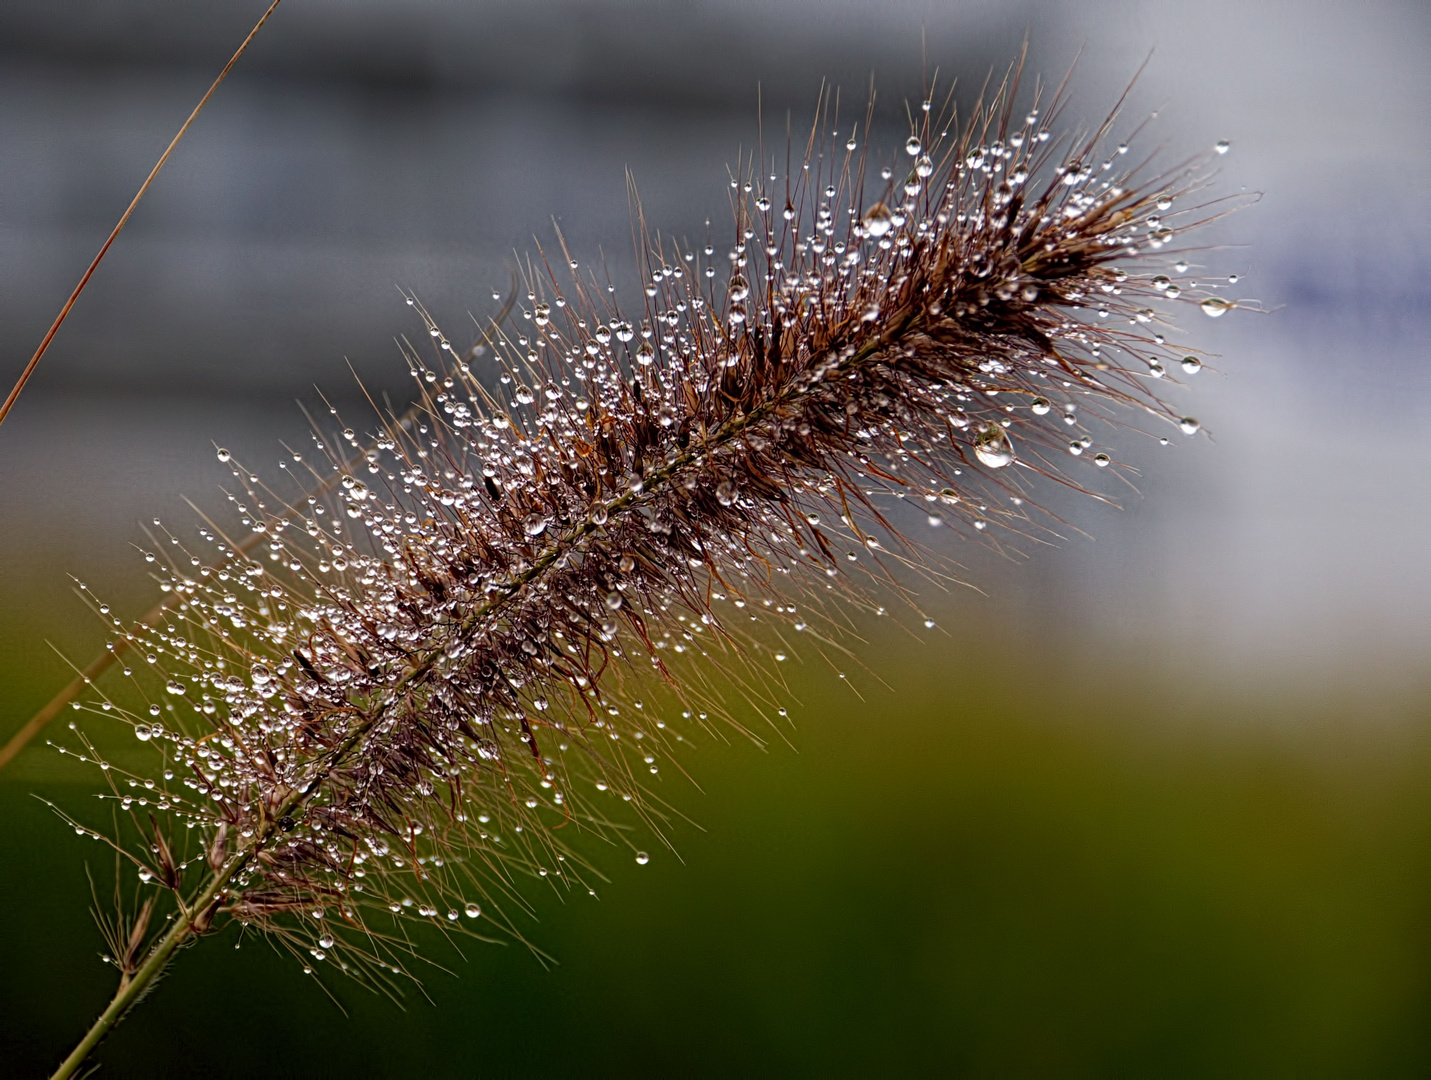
x: 993, y: 448
x: 878, y: 220
x: 1215, y: 307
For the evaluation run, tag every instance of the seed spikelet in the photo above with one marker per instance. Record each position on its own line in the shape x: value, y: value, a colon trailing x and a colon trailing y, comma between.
x: 429, y: 672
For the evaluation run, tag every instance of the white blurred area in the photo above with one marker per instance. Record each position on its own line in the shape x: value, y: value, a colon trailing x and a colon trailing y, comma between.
x: 1288, y: 545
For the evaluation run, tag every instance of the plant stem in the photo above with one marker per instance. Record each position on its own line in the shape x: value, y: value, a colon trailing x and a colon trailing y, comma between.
x: 132, y: 990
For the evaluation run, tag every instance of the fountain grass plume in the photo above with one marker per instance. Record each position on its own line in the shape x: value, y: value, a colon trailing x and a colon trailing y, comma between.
x: 447, y: 657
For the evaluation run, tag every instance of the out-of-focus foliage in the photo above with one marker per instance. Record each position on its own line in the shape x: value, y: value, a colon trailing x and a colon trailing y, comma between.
x: 1088, y: 877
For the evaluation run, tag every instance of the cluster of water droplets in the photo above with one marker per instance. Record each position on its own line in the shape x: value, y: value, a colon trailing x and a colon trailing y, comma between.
x: 439, y: 643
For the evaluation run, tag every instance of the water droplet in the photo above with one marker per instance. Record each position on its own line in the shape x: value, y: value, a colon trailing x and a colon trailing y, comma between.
x: 535, y: 524
x: 913, y: 146
x: 1156, y: 370
x: 1101, y: 460
x: 598, y: 514
x: 472, y: 911
x: 924, y: 167
x: 1075, y: 448
x: 739, y: 289
x: 1223, y: 146
x: 326, y: 941
x: 1039, y: 406
x: 174, y: 687
x: 1189, y: 425
x: 645, y: 353
x: 992, y: 447
x: 523, y: 394
x: 613, y: 600
x: 542, y: 315
x: 142, y: 732
x: 224, y: 455
x: 642, y: 858
x: 603, y: 335
x: 627, y: 563
x: 261, y: 675
x: 1181, y: 266
x: 878, y: 220
x: 1192, y: 365
x: 1215, y: 306
x: 726, y: 493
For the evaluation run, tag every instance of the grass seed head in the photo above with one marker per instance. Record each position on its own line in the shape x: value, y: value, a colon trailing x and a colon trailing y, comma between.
x: 491, y: 624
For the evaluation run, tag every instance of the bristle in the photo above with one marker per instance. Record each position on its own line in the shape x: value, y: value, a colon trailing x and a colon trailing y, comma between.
x: 395, y: 706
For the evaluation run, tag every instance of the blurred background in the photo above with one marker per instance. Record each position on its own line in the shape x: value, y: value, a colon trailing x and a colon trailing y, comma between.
x: 1153, y: 801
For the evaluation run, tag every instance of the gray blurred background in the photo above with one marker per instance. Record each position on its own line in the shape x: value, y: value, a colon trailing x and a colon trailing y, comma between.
x: 371, y: 144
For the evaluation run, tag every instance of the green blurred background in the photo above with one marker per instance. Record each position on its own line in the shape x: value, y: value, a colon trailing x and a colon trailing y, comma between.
x: 1154, y: 804
x: 977, y: 875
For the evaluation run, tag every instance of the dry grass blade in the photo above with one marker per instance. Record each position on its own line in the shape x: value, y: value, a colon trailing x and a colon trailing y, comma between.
x: 14, y: 394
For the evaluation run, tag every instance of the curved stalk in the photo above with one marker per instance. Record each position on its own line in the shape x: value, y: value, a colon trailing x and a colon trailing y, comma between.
x: 131, y: 990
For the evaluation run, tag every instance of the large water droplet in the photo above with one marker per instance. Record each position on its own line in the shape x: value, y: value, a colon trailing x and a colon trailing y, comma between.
x: 1192, y: 365
x: 878, y: 220
x: 535, y: 524
x: 1215, y: 306
x: 913, y: 146
x: 726, y: 493
x: 739, y: 289
x: 1189, y: 425
x: 992, y: 447
x: 642, y: 858
x: 1039, y: 406
x: 472, y: 911
x: 224, y: 455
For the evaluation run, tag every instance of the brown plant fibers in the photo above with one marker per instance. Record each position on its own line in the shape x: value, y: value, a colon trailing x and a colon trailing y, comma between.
x: 430, y: 669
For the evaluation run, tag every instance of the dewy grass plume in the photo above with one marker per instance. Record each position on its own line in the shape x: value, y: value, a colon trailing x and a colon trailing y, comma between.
x: 455, y: 640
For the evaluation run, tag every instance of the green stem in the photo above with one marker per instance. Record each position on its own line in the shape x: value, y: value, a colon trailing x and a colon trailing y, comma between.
x: 131, y: 990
